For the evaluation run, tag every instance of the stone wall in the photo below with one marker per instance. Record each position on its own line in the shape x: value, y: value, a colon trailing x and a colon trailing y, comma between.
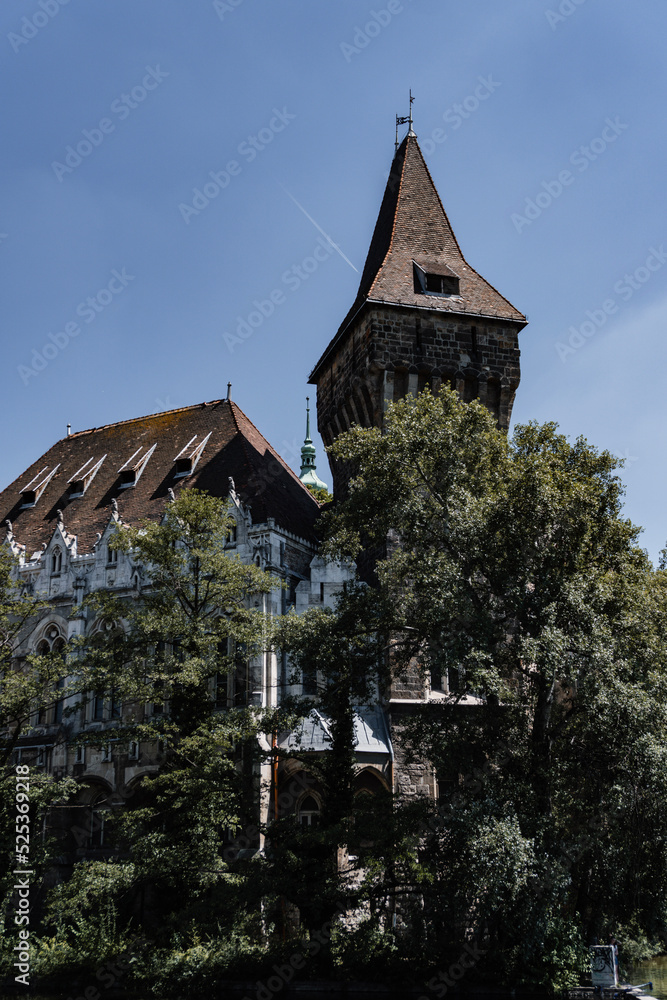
x: 391, y: 351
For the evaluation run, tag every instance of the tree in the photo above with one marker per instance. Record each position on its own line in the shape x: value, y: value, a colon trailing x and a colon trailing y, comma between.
x: 28, y: 685
x: 199, y: 620
x: 508, y: 563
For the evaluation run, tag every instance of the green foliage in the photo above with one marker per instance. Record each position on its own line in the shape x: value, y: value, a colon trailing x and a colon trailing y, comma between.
x: 92, y: 885
x: 26, y: 686
x: 202, y: 611
x: 359, y: 952
x: 321, y: 495
x: 194, y: 965
x: 635, y: 945
x: 508, y: 563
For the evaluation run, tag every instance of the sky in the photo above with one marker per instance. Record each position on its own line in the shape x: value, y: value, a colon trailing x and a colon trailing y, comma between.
x: 169, y: 168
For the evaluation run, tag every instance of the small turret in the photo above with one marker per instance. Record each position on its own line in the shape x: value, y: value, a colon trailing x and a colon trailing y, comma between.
x: 308, y: 475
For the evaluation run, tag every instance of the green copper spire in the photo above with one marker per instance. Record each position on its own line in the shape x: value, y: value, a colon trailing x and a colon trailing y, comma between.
x: 308, y: 474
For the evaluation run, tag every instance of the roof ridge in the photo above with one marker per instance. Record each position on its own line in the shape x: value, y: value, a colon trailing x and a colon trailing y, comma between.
x: 393, y: 225
x: 273, y: 451
x: 244, y: 444
x: 437, y: 194
x: 135, y: 420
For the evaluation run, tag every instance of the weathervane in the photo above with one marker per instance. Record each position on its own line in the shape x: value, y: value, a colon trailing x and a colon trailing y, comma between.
x: 405, y: 121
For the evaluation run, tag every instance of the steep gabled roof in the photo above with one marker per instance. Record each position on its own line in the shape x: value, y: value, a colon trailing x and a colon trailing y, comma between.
x: 233, y: 447
x: 412, y: 226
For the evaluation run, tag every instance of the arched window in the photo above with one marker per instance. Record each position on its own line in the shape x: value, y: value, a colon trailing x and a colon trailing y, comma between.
x: 52, y: 642
x: 309, y: 811
x: 56, y: 562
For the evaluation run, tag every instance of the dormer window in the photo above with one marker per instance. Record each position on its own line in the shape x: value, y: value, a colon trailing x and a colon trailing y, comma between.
x: 31, y: 493
x: 130, y: 473
x: 187, y: 458
x: 56, y: 562
x: 435, y: 279
x: 82, y: 479
x: 112, y: 556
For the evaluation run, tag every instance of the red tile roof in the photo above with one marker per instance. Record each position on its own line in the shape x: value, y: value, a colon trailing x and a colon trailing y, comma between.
x: 235, y: 448
x: 413, y: 225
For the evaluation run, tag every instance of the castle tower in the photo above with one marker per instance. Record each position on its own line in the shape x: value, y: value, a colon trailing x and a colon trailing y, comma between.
x: 422, y: 316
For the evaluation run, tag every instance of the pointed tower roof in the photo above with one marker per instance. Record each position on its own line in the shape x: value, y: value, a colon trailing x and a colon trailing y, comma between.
x: 412, y: 229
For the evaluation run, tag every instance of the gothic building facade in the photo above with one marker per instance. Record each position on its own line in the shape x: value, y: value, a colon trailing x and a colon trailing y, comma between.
x: 422, y: 316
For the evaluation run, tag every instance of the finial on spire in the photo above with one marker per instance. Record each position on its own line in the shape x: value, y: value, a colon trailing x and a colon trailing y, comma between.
x: 405, y: 121
x: 308, y: 439
x: 229, y: 392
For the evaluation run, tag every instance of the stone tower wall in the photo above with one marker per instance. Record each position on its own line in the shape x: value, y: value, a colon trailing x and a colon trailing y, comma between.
x: 391, y: 351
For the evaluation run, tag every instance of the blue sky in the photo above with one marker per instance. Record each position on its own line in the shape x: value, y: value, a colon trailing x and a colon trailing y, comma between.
x: 542, y: 122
